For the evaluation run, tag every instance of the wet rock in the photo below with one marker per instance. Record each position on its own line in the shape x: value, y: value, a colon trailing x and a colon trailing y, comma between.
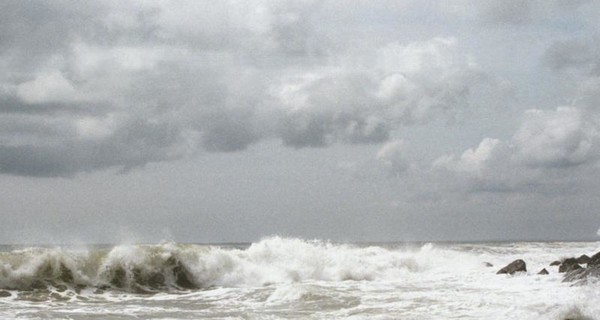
x: 555, y: 263
x: 4, y: 294
x: 583, y: 259
x: 582, y: 274
x: 568, y: 265
x: 543, y: 271
x: 487, y: 264
x: 515, y: 266
x: 594, y: 260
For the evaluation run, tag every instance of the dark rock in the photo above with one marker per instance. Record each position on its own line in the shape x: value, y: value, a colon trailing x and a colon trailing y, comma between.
x: 543, y: 271
x: 594, y: 260
x: 515, y: 266
x: 574, y: 275
x: 583, y: 259
x: 569, y: 264
x: 4, y: 294
x: 582, y: 274
x: 555, y: 263
x: 487, y: 264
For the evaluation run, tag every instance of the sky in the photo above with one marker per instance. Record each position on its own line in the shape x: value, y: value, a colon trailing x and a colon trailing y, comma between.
x: 229, y: 121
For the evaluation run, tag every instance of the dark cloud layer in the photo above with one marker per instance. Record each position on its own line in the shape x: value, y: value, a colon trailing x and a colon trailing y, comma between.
x: 575, y: 55
x: 89, y: 86
x: 375, y: 120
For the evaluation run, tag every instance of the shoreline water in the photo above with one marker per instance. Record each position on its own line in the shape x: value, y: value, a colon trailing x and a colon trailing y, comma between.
x: 284, y: 278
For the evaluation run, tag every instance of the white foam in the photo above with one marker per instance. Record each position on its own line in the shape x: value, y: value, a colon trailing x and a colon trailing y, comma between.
x: 279, y: 277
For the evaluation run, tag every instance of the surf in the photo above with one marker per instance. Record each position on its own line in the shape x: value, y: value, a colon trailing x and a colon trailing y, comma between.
x: 169, y: 266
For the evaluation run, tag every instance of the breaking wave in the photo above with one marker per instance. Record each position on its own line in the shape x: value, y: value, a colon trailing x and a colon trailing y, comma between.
x: 172, y: 266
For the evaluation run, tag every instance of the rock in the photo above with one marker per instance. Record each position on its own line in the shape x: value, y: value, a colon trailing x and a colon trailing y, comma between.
x: 515, y: 266
x: 487, y: 264
x: 543, y: 271
x: 555, y: 263
x: 594, y: 260
x: 4, y: 294
x: 583, y: 259
x: 582, y: 274
x: 569, y: 264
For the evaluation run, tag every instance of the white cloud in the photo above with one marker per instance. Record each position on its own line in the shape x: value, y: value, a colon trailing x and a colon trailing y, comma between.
x: 422, y: 79
x: 565, y: 137
x: 406, y: 84
x: 393, y: 156
x: 478, y: 160
x: 547, y: 144
x: 48, y: 87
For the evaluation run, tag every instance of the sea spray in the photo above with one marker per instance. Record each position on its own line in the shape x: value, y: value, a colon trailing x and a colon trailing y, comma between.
x: 171, y: 266
x: 283, y: 278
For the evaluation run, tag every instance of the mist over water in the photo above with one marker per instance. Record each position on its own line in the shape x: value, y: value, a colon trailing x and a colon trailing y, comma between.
x: 287, y: 278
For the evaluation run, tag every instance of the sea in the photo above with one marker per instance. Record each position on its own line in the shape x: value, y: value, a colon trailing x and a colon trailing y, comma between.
x: 290, y: 278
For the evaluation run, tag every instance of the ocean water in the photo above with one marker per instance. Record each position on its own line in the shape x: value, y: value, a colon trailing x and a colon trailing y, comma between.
x: 287, y: 278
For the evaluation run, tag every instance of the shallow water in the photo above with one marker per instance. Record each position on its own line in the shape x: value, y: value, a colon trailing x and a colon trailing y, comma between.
x: 283, y: 278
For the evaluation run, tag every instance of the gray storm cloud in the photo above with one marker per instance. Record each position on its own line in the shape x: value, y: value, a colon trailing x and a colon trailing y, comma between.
x: 87, y: 87
x: 346, y: 120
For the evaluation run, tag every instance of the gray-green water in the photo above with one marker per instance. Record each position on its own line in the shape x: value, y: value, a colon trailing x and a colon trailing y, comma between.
x: 282, y: 278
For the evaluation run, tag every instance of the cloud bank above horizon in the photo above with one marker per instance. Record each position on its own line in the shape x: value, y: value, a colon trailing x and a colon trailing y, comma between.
x: 453, y: 100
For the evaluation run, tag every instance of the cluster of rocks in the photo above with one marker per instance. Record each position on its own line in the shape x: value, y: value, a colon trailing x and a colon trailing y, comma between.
x: 575, y: 269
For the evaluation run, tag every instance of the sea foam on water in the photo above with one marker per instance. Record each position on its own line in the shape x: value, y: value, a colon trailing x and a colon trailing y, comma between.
x: 294, y: 278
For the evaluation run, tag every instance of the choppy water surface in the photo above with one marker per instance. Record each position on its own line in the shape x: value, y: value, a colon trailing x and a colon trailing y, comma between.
x: 282, y: 278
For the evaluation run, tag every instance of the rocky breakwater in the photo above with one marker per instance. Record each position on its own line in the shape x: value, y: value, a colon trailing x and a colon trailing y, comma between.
x: 591, y: 271
x: 577, y: 270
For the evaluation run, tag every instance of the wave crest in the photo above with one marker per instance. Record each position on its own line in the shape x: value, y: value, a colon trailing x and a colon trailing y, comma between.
x: 172, y: 266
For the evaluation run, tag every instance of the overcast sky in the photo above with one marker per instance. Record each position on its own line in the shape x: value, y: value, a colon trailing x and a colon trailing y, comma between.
x: 224, y: 121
